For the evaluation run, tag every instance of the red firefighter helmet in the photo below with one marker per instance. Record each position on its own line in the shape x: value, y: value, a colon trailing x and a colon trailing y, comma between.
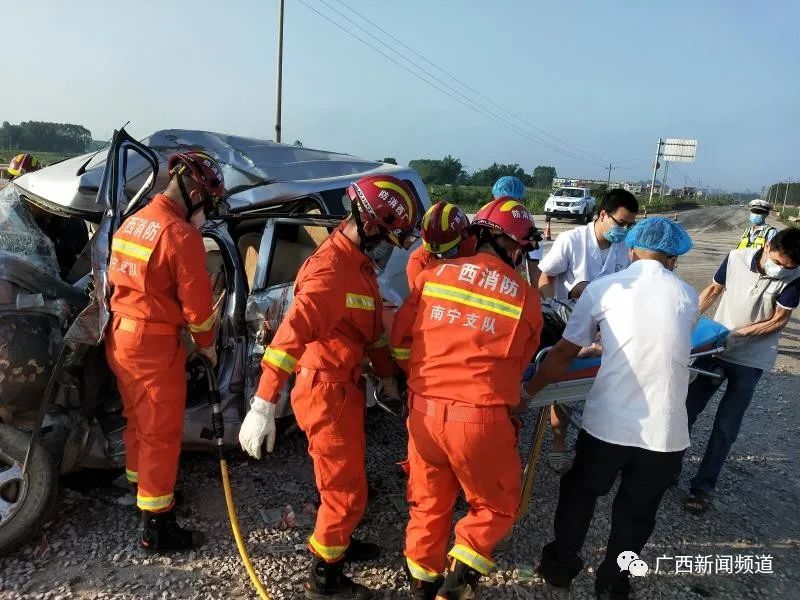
x: 23, y: 163
x: 444, y: 225
x: 509, y: 217
x: 387, y: 203
x: 201, y: 167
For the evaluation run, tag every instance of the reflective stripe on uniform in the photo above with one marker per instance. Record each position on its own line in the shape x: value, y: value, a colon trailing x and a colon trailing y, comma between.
x: 131, y: 476
x: 329, y: 553
x: 206, y: 325
x: 360, y: 302
x: 759, y: 242
x: 153, y: 503
x: 461, y: 296
x: 469, y: 557
x: 279, y: 358
x: 419, y: 572
x: 382, y: 341
x: 401, y: 353
x: 130, y: 249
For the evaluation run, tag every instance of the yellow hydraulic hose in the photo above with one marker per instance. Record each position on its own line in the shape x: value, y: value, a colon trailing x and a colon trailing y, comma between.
x: 218, y: 427
x: 226, y: 484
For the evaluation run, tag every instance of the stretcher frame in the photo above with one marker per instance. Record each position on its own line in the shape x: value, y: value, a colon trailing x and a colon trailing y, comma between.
x: 570, y: 391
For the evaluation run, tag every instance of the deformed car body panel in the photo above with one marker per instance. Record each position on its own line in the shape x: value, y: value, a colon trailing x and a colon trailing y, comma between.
x: 258, y: 173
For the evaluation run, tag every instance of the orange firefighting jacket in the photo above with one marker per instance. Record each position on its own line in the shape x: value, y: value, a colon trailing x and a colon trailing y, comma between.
x: 421, y: 258
x: 335, y: 317
x: 467, y: 331
x: 158, y: 270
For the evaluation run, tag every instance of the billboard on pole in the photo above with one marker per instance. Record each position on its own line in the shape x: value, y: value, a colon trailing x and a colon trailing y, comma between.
x: 679, y: 150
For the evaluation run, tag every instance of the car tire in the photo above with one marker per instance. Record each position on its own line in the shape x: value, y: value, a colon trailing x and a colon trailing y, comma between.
x: 26, y: 515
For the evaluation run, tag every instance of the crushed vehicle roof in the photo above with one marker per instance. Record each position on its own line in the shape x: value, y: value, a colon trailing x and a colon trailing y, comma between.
x: 258, y: 172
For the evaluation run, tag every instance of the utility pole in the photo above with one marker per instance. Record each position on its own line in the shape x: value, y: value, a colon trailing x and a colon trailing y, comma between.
x: 609, y: 168
x: 655, y: 168
x: 785, y: 193
x: 279, y: 86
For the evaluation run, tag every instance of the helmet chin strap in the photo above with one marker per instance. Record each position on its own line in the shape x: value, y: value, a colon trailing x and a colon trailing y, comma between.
x: 190, y: 208
x: 485, y: 237
x: 365, y: 241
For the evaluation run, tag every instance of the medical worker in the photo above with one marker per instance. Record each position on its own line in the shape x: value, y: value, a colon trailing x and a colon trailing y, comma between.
x: 336, y: 317
x: 634, y: 422
x: 576, y: 258
x: 464, y: 337
x: 157, y: 270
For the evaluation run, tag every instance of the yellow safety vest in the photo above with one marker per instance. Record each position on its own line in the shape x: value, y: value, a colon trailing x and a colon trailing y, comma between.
x: 759, y: 242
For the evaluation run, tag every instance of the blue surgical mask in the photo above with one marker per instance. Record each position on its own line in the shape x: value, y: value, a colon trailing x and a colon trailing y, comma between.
x: 757, y: 219
x: 616, y: 234
x: 775, y: 271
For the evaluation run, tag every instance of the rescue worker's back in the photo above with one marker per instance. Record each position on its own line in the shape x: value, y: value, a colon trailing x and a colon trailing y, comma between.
x: 476, y: 325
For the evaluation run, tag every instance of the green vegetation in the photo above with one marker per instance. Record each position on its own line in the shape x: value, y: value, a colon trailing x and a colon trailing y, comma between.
x: 450, y: 171
x: 42, y: 136
x: 46, y: 158
x: 470, y: 198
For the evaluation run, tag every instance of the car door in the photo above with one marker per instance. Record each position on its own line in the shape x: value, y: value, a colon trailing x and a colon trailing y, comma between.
x: 272, y: 269
x: 125, y: 155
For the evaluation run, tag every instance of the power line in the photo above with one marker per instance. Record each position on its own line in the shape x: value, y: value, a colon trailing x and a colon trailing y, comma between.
x: 443, y: 87
x: 633, y: 160
x: 481, y: 107
x: 465, y: 85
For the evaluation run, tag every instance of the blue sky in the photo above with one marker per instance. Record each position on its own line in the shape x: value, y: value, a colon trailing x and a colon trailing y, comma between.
x: 606, y: 77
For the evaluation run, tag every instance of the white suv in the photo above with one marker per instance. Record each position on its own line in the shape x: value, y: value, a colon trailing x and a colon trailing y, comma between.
x: 571, y: 202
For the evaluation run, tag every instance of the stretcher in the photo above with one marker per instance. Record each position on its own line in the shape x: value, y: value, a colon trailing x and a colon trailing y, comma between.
x: 708, y: 339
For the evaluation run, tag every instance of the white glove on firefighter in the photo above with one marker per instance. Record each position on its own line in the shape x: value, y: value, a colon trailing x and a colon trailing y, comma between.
x: 390, y: 389
x: 259, y: 424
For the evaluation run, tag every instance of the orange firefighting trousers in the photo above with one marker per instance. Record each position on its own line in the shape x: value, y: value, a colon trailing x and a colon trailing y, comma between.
x: 329, y: 407
x: 454, y: 446
x: 148, y: 360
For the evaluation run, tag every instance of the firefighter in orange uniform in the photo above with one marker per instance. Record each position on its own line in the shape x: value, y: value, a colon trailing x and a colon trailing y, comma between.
x: 445, y: 234
x: 466, y: 332
x: 157, y: 269
x: 336, y: 317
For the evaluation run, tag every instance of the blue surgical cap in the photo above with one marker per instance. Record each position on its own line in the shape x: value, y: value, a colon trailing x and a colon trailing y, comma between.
x: 659, y: 235
x: 509, y: 187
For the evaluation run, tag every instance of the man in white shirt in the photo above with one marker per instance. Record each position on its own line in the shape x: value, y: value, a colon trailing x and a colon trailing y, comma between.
x: 576, y: 258
x: 635, y: 420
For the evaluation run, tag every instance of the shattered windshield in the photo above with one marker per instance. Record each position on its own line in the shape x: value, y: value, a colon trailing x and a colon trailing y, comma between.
x: 20, y: 236
x: 567, y: 193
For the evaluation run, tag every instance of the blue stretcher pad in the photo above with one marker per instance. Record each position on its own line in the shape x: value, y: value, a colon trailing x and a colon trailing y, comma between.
x: 706, y: 333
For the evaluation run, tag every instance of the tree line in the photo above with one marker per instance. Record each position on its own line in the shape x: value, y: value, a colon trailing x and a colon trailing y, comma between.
x: 42, y: 136
x: 778, y: 192
x: 450, y: 171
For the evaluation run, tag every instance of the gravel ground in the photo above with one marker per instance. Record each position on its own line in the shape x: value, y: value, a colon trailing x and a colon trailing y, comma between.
x: 89, y: 549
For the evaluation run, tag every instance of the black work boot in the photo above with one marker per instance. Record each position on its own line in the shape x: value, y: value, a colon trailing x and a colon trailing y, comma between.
x: 327, y: 581
x: 461, y: 583
x: 619, y: 588
x: 424, y: 590
x: 161, y: 533
x: 359, y: 551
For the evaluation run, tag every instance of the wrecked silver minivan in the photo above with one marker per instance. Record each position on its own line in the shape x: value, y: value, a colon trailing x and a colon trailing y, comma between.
x: 283, y: 202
